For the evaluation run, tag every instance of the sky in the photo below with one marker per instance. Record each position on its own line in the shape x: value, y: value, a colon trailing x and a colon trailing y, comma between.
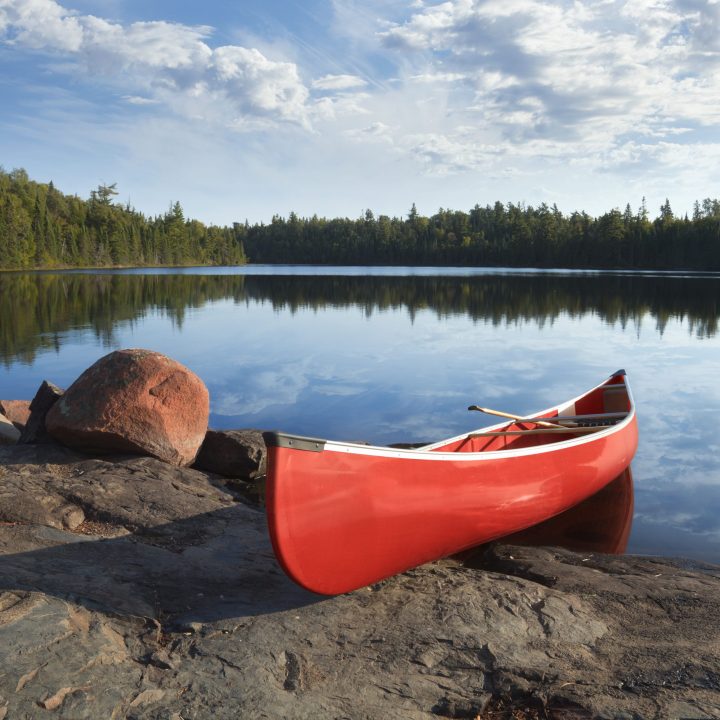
x: 242, y: 110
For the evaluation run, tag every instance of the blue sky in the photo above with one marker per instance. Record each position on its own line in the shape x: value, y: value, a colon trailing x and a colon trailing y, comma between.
x: 241, y: 110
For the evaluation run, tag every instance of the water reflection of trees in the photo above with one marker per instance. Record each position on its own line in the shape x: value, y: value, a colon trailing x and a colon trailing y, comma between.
x: 37, y: 309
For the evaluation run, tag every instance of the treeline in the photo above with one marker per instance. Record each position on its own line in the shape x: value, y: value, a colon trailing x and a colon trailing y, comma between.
x: 498, y: 235
x: 100, y: 303
x: 41, y: 227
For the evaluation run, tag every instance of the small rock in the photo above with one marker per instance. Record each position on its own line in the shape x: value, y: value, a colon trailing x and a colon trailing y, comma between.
x: 35, y: 430
x: 233, y: 453
x: 134, y: 401
x: 9, y: 434
x: 16, y: 411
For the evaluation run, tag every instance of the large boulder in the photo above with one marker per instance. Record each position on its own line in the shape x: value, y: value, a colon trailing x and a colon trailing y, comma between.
x: 134, y: 401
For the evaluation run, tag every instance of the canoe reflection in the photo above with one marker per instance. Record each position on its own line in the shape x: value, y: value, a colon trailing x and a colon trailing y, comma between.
x: 601, y: 523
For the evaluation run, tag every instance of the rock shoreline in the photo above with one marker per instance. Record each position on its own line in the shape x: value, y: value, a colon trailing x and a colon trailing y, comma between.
x: 130, y: 588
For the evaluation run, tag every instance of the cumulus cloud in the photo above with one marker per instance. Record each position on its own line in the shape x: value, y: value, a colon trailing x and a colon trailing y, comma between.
x: 259, y: 84
x: 582, y: 73
x: 169, y: 62
x: 41, y: 23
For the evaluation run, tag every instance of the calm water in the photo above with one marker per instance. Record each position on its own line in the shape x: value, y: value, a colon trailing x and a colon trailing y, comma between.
x: 396, y: 354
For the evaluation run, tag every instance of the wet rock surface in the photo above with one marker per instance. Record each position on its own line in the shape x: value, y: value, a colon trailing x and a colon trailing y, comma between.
x: 133, y: 589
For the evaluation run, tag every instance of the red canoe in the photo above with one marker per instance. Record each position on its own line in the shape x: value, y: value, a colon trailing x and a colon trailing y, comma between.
x: 344, y: 515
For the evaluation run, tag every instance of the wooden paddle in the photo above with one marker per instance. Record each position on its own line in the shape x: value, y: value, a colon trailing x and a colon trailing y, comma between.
x: 499, y: 413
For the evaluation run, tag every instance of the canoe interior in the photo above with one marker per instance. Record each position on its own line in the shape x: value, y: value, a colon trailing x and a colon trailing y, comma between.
x: 608, y: 399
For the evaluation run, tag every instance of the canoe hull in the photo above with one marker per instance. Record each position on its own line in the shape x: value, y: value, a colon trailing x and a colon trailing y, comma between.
x: 342, y: 516
x: 600, y: 524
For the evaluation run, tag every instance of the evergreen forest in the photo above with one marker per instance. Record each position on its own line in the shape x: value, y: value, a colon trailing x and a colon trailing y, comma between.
x: 40, y: 227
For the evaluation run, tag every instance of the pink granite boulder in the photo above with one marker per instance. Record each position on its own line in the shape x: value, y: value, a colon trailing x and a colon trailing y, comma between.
x: 134, y: 401
x: 16, y: 411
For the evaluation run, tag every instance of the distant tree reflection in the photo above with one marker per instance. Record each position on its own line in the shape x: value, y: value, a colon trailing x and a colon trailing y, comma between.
x: 36, y: 309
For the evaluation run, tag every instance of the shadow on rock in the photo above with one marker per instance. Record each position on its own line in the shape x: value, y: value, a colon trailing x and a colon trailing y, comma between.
x: 233, y: 574
x: 135, y: 536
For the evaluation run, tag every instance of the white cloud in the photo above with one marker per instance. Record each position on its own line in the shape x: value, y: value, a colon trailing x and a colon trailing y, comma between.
x: 435, y: 77
x: 343, y: 105
x: 376, y: 129
x: 158, y: 46
x: 552, y: 78
x: 339, y: 82
x: 377, y: 132
x: 41, y: 23
x: 171, y: 63
x: 259, y: 84
x: 138, y: 100
x: 359, y: 20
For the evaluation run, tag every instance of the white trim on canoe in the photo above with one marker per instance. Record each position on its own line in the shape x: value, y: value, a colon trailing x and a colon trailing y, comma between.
x: 426, y: 451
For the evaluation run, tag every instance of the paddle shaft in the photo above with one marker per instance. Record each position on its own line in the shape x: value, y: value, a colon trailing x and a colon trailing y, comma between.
x: 499, y: 413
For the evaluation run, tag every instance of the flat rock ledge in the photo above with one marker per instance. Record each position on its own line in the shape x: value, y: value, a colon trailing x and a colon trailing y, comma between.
x: 130, y: 588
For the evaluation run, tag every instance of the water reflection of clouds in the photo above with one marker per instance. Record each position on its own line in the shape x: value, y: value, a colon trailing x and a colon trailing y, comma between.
x: 260, y: 390
x: 337, y: 389
x: 677, y: 518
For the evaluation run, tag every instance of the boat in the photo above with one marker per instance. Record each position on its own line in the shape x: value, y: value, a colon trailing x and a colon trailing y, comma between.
x: 344, y: 515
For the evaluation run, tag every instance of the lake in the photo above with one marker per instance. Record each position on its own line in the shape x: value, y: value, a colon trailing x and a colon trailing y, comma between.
x: 397, y: 354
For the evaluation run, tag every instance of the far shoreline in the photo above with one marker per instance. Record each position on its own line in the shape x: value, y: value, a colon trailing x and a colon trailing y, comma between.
x: 330, y: 269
